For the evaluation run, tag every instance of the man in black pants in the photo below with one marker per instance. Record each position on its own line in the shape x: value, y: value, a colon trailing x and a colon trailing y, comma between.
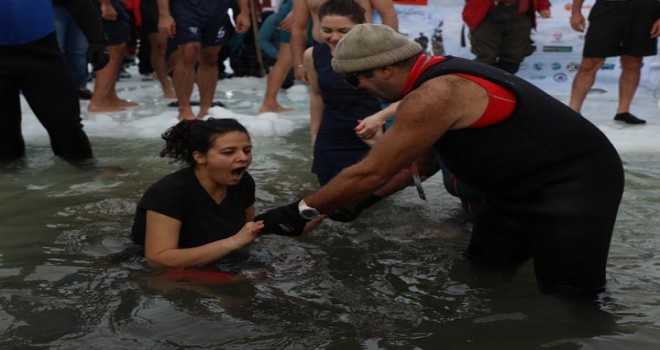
x: 31, y: 63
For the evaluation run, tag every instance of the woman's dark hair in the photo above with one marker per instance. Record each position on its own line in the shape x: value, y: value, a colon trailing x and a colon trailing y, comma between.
x: 346, y: 8
x: 189, y: 136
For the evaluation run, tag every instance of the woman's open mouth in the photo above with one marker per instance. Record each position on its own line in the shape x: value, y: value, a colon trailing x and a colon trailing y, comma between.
x: 238, y: 172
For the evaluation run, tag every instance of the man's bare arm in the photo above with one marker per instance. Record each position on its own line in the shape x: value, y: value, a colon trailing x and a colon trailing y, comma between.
x: 418, y: 126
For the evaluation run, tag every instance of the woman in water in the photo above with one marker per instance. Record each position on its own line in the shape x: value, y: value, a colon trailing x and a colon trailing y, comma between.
x: 203, y: 212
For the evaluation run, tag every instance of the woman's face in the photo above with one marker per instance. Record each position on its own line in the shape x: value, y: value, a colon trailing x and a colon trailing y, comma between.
x: 333, y: 28
x: 227, y: 159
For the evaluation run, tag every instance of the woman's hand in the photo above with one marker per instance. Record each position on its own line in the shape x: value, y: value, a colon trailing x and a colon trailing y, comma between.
x: 247, y: 234
x: 369, y: 130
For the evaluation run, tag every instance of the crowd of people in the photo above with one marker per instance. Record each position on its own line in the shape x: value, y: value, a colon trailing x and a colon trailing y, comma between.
x: 539, y: 180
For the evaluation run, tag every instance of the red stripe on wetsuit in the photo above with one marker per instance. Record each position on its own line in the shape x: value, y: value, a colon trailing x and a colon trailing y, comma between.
x: 501, y: 102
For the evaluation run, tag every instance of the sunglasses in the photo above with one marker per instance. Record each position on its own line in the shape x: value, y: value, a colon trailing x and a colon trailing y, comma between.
x: 352, y: 78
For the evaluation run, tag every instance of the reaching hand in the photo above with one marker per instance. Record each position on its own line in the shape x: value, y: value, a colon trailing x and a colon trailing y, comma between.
x: 97, y: 55
x: 285, y: 220
x: 247, y: 234
x: 369, y: 129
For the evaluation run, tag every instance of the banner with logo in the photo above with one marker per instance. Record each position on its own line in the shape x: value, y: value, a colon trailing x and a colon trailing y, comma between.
x: 439, y: 28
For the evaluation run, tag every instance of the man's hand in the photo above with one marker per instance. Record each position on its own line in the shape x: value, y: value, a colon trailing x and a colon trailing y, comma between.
x: 108, y: 12
x: 243, y: 22
x: 655, y: 30
x: 97, y: 55
x: 287, y: 22
x: 167, y: 26
x: 301, y: 74
x: 284, y: 221
x: 577, y: 22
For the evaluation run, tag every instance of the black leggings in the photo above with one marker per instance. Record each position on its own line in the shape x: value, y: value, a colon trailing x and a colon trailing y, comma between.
x: 38, y: 70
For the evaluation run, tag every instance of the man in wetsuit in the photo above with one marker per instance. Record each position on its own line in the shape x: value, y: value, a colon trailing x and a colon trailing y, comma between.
x: 31, y: 63
x: 551, y: 181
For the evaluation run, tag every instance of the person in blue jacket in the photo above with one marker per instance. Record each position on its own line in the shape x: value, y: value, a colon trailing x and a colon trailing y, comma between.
x: 31, y: 63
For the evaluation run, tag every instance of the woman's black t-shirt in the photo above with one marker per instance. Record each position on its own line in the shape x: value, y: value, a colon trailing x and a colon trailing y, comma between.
x: 181, y: 196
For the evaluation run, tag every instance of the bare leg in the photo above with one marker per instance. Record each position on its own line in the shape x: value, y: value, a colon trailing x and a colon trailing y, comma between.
x: 584, y: 80
x: 207, y: 78
x: 104, y: 85
x: 628, y: 82
x: 184, y: 77
x: 158, y: 52
x: 274, y: 81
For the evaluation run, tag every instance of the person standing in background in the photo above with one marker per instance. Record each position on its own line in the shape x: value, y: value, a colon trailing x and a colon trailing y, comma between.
x: 196, y: 28
x: 306, y: 10
x: 158, y: 53
x: 73, y: 44
x: 116, y: 29
x: 500, y: 30
x: 31, y: 63
x: 336, y: 107
x: 616, y: 28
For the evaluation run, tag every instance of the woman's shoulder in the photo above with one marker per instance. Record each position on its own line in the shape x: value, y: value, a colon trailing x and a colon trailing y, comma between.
x: 178, y: 180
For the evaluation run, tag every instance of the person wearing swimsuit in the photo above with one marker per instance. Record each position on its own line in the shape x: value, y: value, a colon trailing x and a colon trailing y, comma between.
x: 551, y: 181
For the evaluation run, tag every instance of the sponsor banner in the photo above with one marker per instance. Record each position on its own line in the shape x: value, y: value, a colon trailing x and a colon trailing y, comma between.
x: 437, y: 25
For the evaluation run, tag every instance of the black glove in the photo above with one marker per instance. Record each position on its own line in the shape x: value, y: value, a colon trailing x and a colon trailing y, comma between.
x: 351, y: 212
x: 284, y: 221
x: 97, y: 55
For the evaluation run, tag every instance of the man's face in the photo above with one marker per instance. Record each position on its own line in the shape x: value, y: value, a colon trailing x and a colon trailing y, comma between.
x: 371, y: 82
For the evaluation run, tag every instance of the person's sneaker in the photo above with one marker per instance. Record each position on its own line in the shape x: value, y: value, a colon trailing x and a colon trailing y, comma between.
x: 628, y: 118
x: 84, y: 94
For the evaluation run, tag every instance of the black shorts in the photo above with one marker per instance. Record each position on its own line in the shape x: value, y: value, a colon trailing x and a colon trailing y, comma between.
x: 621, y: 28
x: 200, y: 21
x: 117, y: 31
x: 149, y: 11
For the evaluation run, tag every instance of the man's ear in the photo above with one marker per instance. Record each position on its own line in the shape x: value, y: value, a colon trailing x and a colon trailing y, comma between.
x: 384, y: 72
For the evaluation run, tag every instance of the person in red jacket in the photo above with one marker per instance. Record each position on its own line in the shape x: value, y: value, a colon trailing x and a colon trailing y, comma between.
x: 500, y: 29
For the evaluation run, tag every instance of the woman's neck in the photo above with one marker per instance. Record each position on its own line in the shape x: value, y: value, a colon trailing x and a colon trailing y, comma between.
x: 215, y: 190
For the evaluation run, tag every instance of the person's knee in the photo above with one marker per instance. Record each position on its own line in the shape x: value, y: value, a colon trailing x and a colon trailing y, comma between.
x: 209, y: 56
x: 189, y: 54
x: 591, y: 65
x: 631, y: 63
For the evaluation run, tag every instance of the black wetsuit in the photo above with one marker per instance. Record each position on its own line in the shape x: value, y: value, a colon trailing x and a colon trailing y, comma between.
x: 552, y: 183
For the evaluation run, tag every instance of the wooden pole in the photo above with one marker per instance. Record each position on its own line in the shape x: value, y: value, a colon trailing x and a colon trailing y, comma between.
x: 255, y: 31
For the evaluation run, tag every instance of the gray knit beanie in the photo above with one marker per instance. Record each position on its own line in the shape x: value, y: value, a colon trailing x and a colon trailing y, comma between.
x: 368, y: 46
